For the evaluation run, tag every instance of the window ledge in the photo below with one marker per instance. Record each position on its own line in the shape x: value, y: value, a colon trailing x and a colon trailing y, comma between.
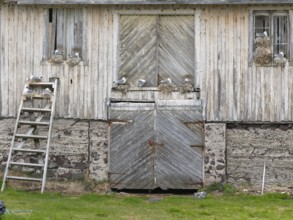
x: 49, y: 63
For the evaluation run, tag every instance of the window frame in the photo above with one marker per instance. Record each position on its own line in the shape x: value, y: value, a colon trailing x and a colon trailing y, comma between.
x: 271, y: 14
x: 50, y: 41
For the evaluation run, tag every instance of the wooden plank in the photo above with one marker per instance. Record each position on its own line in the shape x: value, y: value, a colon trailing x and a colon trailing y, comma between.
x: 147, y: 2
x: 1, y: 57
x: 96, y: 56
x: 132, y: 163
x: 176, y: 54
x: 138, y: 49
x: 178, y: 165
x: 197, y: 53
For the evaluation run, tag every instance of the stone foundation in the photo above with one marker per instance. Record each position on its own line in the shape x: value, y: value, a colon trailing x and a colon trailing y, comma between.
x: 78, y: 149
x: 215, y: 147
x: 233, y: 153
x: 250, y: 146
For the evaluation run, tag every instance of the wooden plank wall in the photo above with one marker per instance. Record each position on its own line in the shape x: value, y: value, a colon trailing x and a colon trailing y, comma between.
x: 232, y: 90
x: 83, y: 89
x: 235, y: 91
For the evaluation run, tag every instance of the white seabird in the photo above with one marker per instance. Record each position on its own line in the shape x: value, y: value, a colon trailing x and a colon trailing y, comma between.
x: 27, y: 90
x: 120, y: 81
x: 140, y: 82
x: 279, y: 58
x: 57, y: 52
x: 166, y: 81
x: 47, y: 91
x: 186, y: 80
x: 264, y: 34
x: 36, y: 78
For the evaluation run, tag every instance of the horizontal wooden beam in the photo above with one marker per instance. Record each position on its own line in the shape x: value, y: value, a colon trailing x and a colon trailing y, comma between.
x: 116, y: 2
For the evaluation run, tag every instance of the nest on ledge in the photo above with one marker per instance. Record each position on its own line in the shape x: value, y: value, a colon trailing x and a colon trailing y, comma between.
x: 57, y: 58
x: 262, y: 42
x: 185, y: 88
x: 124, y: 88
x: 166, y: 88
x: 72, y: 61
x: 262, y: 56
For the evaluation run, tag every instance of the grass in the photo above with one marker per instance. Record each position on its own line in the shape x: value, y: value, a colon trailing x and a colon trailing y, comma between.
x: 55, y: 206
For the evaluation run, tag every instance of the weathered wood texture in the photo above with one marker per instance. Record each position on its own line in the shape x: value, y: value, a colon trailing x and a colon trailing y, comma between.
x: 232, y: 90
x: 151, y: 144
x: 131, y: 158
x: 151, y: 1
x: 83, y: 88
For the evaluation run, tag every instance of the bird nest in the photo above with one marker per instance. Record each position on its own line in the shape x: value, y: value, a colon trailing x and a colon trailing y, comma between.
x: 72, y: 61
x: 262, y: 56
x: 123, y: 88
x: 165, y: 88
x: 262, y: 42
x: 57, y: 58
x: 185, y: 88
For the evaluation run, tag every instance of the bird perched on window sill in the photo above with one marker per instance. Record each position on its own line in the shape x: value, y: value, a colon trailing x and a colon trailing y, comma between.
x: 73, y: 60
x: 280, y: 58
x: 57, y: 57
x: 121, y: 81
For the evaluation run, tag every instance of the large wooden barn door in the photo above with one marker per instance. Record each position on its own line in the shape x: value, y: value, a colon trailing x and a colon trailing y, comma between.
x: 155, y: 146
x: 179, y: 154
x: 131, y: 158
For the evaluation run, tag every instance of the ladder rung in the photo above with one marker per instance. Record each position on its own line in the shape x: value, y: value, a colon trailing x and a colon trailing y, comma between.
x: 24, y: 178
x: 27, y: 164
x: 34, y: 123
x: 41, y: 84
x: 39, y: 96
x: 29, y: 150
x: 30, y: 136
x: 36, y: 109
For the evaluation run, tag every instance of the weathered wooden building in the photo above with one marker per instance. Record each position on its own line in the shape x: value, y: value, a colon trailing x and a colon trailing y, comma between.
x: 235, y: 114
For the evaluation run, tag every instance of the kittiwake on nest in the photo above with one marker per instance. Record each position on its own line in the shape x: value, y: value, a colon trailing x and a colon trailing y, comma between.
x: 121, y: 81
x: 166, y: 86
x: 280, y: 58
x: 57, y: 57
x: 140, y: 83
x: 186, y: 86
x: 74, y: 60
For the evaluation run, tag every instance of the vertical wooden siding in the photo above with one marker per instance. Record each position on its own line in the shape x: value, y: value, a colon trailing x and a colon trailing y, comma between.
x: 233, y: 91
x: 83, y: 89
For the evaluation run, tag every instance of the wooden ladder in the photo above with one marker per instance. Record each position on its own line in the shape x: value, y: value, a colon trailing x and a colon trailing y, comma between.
x: 35, y: 115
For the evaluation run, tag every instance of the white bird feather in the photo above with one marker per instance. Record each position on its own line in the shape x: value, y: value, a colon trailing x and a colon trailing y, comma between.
x: 166, y: 81
x: 36, y: 78
x: 27, y: 90
x: 120, y: 81
x: 264, y: 34
x: 140, y: 82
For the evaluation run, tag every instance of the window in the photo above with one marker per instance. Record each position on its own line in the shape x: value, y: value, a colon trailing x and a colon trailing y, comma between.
x: 156, y: 47
x: 270, y: 36
x: 65, y: 32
